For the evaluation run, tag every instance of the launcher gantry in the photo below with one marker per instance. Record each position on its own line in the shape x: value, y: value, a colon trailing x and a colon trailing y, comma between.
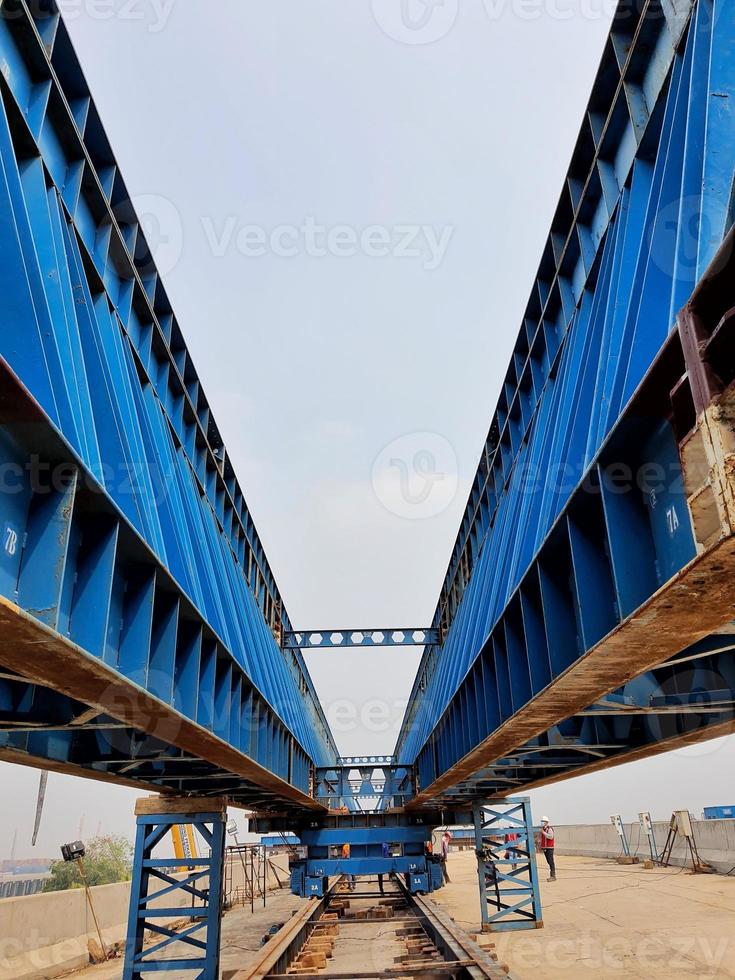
x: 586, y: 616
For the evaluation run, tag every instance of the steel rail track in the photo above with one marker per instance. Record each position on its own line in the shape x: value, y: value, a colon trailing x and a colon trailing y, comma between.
x: 462, y: 958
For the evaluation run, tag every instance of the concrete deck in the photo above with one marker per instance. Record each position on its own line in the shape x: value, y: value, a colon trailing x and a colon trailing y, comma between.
x: 602, y: 920
x: 242, y: 935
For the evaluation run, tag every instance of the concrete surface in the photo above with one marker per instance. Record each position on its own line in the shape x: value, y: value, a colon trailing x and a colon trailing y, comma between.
x: 46, y: 935
x: 715, y: 841
x: 602, y: 920
x: 242, y: 937
x: 611, y: 922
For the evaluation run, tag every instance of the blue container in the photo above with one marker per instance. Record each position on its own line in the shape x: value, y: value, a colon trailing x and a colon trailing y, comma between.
x: 298, y: 874
x: 315, y: 887
x: 719, y: 813
x: 419, y: 883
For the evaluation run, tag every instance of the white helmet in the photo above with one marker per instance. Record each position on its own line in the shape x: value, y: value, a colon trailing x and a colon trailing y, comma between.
x: 544, y: 819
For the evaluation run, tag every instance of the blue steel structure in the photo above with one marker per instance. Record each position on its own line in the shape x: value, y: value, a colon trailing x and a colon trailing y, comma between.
x: 142, y: 622
x: 374, y: 780
x: 366, y: 845
x: 506, y: 868
x: 586, y: 617
x: 156, y: 878
x: 719, y: 813
x: 596, y: 547
x: 310, y: 639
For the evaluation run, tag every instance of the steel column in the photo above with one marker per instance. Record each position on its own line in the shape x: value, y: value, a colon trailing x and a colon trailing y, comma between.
x: 506, y: 869
x: 201, y: 901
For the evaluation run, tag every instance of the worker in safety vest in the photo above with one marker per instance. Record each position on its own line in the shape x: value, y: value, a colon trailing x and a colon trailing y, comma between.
x: 547, y: 846
x: 446, y: 841
x: 349, y: 878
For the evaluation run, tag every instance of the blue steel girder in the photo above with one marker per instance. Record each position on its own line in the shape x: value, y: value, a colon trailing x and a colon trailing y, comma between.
x: 597, y: 544
x: 679, y: 702
x: 40, y: 726
x: 316, y: 639
x: 132, y: 578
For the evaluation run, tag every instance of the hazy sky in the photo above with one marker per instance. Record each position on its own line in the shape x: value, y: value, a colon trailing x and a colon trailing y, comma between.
x: 349, y: 223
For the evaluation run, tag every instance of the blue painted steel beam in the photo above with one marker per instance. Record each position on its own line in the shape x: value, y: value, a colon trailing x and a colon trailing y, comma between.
x: 591, y: 549
x: 316, y: 639
x: 126, y: 538
x: 679, y: 702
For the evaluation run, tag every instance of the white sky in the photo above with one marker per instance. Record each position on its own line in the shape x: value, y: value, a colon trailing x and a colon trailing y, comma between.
x: 234, y: 114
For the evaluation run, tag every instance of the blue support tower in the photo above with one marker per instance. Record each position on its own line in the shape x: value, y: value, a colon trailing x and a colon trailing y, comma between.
x: 202, y: 889
x: 506, y: 865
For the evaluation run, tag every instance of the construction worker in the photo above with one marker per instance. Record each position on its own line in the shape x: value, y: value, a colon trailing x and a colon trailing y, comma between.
x: 511, y: 851
x: 547, y: 846
x: 446, y: 840
x: 349, y: 878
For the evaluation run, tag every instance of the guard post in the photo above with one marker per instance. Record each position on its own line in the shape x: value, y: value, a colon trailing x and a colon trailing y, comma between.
x: 201, y: 889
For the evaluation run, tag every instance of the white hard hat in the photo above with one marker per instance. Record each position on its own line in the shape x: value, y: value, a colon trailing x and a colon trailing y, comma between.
x: 544, y: 819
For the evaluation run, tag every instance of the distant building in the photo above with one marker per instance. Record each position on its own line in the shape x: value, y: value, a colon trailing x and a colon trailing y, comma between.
x: 719, y: 812
x: 26, y: 866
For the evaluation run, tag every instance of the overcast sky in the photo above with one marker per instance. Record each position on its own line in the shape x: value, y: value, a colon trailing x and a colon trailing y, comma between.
x: 349, y: 213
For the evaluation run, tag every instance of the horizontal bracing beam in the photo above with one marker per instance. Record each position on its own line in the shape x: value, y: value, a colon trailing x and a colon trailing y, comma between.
x: 401, y: 637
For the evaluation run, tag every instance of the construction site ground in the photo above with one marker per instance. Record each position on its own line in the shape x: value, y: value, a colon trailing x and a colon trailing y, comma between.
x: 601, y: 920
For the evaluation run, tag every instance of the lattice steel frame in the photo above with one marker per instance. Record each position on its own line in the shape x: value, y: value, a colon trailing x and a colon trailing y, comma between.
x: 203, y: 883
x: 509, y: 885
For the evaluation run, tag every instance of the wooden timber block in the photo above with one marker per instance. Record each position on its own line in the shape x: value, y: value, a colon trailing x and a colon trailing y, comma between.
x: 96, y: 953
x: 327, y: 948
x: 382, y: 913
x: 179, y: 804
x: 316, y: 961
